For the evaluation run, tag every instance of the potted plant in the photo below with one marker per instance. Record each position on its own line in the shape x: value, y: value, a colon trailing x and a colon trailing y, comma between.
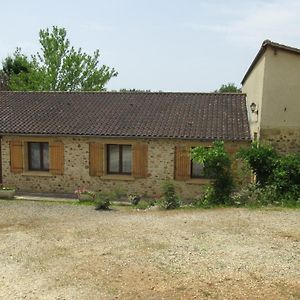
x: 85, y: 195
x: 7, y: 192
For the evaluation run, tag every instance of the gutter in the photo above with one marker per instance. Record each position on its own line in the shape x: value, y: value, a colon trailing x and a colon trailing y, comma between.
x: 125, y: 137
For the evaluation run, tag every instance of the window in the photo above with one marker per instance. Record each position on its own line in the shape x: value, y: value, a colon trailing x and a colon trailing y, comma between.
x: 38, y: 156
x: 197, y: 170
x: 119, y: 159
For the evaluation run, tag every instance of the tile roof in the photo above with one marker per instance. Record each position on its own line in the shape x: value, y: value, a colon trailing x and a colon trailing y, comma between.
x: 265, y: 44
x: 204, y: 116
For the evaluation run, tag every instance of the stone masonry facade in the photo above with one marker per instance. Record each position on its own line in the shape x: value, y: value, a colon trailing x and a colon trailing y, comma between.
x: 284, y: 140
x: 161, y: 153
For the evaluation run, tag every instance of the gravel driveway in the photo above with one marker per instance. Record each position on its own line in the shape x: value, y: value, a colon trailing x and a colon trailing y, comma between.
x: 62, y: 251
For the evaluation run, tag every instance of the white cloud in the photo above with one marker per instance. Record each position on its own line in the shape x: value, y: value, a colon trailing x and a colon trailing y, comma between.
x: 252, y: 23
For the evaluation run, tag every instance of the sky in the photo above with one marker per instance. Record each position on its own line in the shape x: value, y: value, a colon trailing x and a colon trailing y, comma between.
x: 161, y: 45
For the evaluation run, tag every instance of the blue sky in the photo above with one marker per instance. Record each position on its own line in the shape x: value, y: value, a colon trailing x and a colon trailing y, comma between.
x: 159, y: 45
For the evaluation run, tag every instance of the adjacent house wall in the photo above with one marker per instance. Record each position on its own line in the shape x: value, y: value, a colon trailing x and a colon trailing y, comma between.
x: 274, y: 86
x: 76, y: 169
x: 254, y: 88
x: 281, y: 96
x: 280, y: 123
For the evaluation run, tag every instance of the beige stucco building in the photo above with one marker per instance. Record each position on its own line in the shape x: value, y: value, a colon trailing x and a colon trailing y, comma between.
x: 272, y: 85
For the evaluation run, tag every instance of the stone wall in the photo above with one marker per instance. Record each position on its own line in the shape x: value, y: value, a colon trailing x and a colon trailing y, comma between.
x: 161, y: 153
x: 284, y: 140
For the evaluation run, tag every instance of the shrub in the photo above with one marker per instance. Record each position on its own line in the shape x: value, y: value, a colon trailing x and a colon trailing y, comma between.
x: 206, y: 200
x: 277, y: 177
x: 170, y: 200
x: 255, y: 195
x: 7, y: 188
x: 142, y: 204
x: 102, y: 202
x: 245, y: 196
x: 117, y: 194
x: 82, y: 192
x: 134, y: 199
x: 286, y: 174
x: 217, y: 165
x: 262, y: 160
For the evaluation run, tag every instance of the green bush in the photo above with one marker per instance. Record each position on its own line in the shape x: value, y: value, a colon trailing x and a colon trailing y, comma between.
x: 217, y: 165
x: 170, y: 200
x: 255, y: 195
x: 286, y: 174
x: 277, y: 176
x: 142, y: 204
x: 117, y: 194
x: 206, y: 200
x: 262, y: 160
x: 102, y: 202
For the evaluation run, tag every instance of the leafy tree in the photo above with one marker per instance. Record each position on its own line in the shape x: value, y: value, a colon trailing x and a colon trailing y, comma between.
x: 59, y: 67
x: 217, y: 165
x: 228, y: 88
x: 15, y: 65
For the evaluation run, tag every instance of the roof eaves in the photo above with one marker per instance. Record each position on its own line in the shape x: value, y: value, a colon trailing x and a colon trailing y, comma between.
x: 247, y: 138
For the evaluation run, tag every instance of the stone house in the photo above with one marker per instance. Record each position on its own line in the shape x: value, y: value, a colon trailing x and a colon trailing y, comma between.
x: 59, y: 141
x: 272, y: 85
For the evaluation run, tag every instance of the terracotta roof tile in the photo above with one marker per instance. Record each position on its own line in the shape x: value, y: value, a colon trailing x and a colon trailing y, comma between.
x: 204, y: 116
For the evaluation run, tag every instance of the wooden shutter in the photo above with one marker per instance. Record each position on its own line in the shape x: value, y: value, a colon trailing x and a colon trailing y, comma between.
x: 96, y: 159
x: 57, y: 158
x: 182, y: 163
x: 16, y: 156
x: 140, y: 160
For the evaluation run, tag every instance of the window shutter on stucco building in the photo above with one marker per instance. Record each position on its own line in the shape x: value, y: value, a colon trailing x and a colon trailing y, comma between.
x: 57, y: 158
x: 140, y: 160
x: 16, y: 156
x: 96, y: 159
x: 182, y: 163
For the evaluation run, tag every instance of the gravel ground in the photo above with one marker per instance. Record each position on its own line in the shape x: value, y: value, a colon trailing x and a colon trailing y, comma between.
x: 62, y: 251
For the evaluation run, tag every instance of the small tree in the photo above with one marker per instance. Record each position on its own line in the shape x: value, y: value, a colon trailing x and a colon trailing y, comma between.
x: 16, y: 66
x: 170, y: 199
x: 58, y: 67
x: 262, y: 160
x: 217, y: 165
x: 228, y: 88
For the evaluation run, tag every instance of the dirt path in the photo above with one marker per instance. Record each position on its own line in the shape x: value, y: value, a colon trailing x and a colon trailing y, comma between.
x: 61, y: 251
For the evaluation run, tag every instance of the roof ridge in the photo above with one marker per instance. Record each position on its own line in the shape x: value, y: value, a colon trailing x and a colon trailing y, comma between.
x: 279, y: 45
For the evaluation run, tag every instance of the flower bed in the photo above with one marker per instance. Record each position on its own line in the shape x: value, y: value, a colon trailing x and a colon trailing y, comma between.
x: 85, y: 195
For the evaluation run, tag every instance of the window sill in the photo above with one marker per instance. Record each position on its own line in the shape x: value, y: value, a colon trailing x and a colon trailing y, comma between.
x: 37, y: 173
x: 199, y: 181
x: 118, y: 177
